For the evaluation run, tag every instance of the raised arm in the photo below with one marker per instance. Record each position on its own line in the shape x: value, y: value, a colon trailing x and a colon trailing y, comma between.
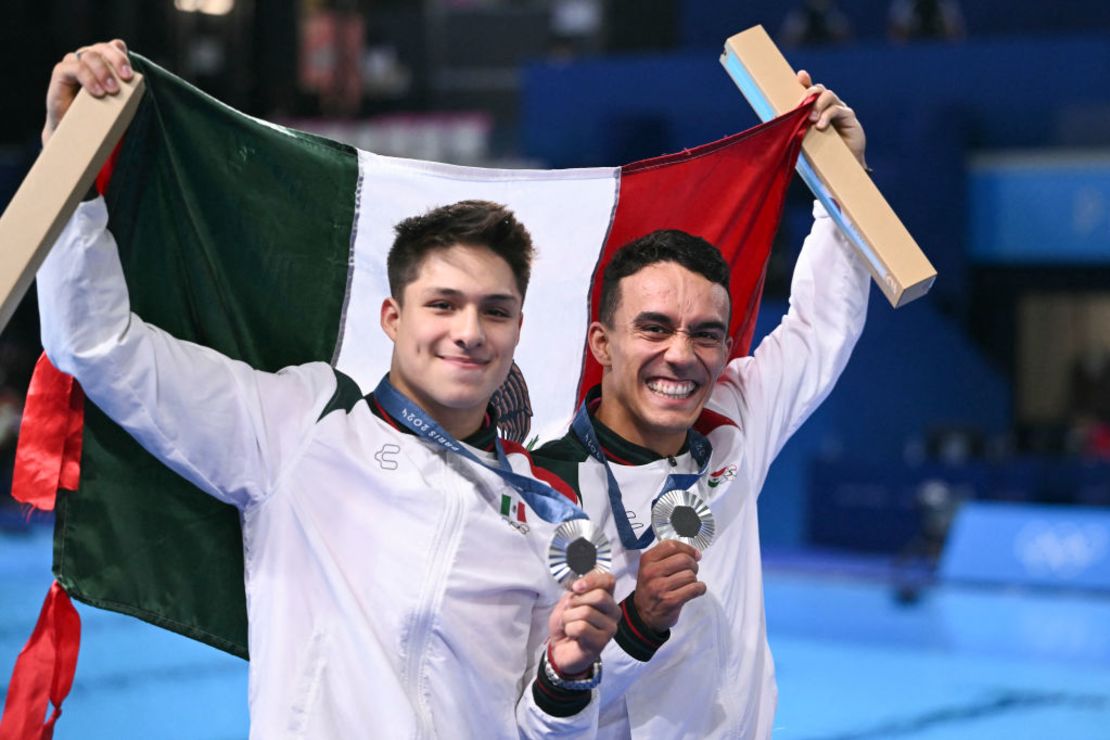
x: 227, y: 428
x: 795, y: 367
x: 222, y: 425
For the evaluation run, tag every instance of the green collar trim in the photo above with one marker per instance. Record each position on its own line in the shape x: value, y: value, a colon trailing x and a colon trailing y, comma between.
x: 617, y: 448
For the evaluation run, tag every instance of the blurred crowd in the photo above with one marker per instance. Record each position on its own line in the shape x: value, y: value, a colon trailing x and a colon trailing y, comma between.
x: 823, y: 23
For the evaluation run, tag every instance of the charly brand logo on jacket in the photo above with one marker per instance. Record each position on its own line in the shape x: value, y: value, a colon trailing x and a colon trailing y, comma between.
x: 512, y: 509
x: 387, y: 456
x: 723, y: 475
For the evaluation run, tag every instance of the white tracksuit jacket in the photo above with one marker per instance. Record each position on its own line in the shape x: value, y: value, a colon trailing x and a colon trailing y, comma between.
x: 387, y: 596
x: 714, y: 677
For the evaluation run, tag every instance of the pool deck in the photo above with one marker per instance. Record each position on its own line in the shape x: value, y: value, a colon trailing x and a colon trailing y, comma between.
x: 853, y: 661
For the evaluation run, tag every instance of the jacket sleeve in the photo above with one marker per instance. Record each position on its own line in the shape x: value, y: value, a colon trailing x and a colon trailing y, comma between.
x: 795, y: 367
x: 545, y: 710
x: 224, y: 426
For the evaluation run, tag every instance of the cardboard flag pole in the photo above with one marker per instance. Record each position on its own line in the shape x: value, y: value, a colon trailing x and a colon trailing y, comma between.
x: 830, y: 170
x: 60, y: 177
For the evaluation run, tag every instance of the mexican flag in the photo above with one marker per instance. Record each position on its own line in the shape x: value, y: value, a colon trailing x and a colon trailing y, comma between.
x: 269, y: 245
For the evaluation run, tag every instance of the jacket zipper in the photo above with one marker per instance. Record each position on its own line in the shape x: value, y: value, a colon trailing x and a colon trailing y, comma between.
x: 446, y: 529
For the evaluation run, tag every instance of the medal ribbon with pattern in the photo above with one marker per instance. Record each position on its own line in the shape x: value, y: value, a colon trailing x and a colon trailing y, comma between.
x: 700, y: 450
x: 549, y: 504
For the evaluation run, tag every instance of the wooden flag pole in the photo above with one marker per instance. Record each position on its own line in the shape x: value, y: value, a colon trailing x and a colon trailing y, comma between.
x: 831, y: 171
x: 61, y: 176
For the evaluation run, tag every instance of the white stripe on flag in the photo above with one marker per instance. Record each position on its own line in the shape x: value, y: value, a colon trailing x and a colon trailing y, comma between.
x: 567, y: 213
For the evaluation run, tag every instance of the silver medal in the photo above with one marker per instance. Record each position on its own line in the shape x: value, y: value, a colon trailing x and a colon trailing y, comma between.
x: 578, y: 547
x: 683, y: 516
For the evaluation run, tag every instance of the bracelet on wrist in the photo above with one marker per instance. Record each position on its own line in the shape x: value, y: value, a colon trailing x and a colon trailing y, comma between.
x: 577, y: 682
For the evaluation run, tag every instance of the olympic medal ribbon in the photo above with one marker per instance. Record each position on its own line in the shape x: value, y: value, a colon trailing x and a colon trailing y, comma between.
x: 549, y: 504
x: 700, y: 450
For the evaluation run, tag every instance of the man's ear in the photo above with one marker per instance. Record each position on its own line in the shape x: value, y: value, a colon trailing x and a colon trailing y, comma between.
x: 598, y: 338
x: 391, y: 316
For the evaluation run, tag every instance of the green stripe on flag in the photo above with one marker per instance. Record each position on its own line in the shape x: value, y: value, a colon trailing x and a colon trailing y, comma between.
x: 237, y: 235
x: 506, y: 505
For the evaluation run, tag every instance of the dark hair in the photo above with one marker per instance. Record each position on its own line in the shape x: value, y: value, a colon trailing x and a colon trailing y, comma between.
x: 477, y: 223
x: 665, y: 245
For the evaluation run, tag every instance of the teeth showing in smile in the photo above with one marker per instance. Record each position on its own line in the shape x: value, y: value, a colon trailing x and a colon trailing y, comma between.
x: 672, y: 388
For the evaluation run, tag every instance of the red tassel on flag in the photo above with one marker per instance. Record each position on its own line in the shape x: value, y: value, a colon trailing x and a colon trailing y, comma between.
x: 43, y: 671
x: 48, y: 455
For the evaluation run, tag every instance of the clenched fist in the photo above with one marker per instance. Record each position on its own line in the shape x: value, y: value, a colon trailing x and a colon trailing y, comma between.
x: 583, y: 621
x: 666, y: 581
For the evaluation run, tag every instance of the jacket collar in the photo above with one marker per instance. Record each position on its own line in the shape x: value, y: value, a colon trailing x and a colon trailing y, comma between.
x: 481, y: 439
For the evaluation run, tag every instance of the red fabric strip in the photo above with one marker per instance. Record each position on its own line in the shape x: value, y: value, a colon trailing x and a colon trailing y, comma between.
x: 48, y: 455
x: 104, y: 177
x: 70, y: 474
x: 43, y: 671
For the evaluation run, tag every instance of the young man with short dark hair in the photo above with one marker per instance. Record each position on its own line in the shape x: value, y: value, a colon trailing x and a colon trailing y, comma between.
x: 690, y: 658
x: 386, y: 593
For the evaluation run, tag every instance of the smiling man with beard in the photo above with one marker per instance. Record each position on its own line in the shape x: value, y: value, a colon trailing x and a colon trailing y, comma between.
x: 690, y: 658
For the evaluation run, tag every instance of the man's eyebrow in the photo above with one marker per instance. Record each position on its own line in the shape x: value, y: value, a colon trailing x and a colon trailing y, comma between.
x: 501, y: 298
x: 711, y: 324
x: 436, y: 292
x: 653, y: 317
x: 445, y: 292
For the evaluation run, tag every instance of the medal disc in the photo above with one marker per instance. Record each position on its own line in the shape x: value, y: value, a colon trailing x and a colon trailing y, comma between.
x: 577, y: 548
x: 683, y: 516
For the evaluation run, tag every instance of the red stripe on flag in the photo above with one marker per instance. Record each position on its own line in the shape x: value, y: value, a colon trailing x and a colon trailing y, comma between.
x: 730, y: 193
x: 43, y: 671
x: 48, y: 455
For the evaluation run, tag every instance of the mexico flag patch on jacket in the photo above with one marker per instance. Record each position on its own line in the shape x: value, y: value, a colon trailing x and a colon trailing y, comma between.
x: 269, y: 246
